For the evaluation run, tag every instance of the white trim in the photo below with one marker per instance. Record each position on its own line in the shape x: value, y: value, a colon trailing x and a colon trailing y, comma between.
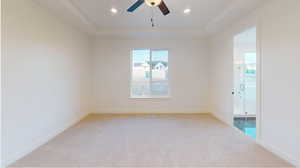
x: 223, y: 120
x: 225, y: 19
x: 157, y: 110
x: 258, y: 78
x: 71, y: 6
x: 152, y: 97
x: 258, y: 81
x: 221, y: 21
x: 39, y: 142
x: 1, y: 165
x: 71, y: 13
x: 269, y: 148
x: 151, y: 33
x: 279, y: 153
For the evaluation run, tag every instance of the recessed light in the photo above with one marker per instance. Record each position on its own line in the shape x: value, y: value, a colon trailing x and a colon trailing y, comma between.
x: 187, y: 11
x: 114, y: 10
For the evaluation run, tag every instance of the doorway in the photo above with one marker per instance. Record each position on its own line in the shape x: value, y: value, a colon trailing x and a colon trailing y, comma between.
x: 245, y: 82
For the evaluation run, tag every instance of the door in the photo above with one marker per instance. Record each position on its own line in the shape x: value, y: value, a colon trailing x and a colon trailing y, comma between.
x: 245, y: 82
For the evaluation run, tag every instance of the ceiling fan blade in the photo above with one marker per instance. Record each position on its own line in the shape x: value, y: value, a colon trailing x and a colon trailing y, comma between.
x: 163, y: 7
x: 135, y: 5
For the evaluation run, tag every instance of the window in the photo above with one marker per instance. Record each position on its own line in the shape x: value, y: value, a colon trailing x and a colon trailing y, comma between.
x: 149, y: 73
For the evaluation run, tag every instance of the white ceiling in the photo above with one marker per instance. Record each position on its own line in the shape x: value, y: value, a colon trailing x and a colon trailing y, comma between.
x: 94, y: 16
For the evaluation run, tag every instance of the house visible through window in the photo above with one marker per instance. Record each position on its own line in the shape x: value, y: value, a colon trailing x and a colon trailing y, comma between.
x: 149, y: 73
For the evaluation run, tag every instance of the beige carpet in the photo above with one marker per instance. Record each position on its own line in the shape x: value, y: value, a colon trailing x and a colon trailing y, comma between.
x: 151, y: 141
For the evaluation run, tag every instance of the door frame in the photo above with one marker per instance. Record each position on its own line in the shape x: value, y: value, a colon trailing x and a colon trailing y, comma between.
x: 258, y: 78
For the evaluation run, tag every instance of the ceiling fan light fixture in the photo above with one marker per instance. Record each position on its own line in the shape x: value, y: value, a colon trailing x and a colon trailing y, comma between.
x: 153, y: 3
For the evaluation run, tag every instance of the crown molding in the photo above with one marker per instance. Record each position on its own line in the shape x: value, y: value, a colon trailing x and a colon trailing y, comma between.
x: 70, y: 13
x: 229, y: 15
x: 67, y: 10
x: 71, y: 7
x: 151, y: 33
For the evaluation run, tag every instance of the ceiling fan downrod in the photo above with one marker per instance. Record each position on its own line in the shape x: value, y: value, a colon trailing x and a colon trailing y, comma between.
x: 152, y: 18
x: 152, y: 22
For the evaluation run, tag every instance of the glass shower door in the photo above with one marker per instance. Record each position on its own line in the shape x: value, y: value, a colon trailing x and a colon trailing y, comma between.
x: 245, y: 82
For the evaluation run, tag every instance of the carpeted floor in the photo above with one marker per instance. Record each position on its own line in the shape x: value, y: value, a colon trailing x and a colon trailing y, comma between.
x: 151, y: 141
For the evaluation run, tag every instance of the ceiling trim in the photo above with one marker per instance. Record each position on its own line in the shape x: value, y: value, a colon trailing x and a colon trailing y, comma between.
x: 152, y: 33
x: 228, y: 16
x: 73, y: 14
x: 71, y: 7
x: 68, y: 12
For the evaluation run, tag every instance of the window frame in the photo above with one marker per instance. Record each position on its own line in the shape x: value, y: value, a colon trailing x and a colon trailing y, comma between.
x: 130, y: 76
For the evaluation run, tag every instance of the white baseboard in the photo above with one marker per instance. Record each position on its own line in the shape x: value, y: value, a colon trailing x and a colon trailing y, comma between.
x: 270, y: 148
x: 279, y: 153
x: 39, y: 142
x: 126, y: 110
x: 222, y: 120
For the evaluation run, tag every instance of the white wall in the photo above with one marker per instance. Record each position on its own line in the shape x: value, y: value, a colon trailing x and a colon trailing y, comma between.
x: 188, y: 76
x: 46, y: 70
x: 45, y: 76
x: 279, y: 38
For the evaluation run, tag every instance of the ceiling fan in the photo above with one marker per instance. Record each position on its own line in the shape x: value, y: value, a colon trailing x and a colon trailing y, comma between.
x: 153, y: 3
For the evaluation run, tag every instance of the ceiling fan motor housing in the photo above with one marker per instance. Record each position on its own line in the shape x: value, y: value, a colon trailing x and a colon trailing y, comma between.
x: 153, y: 3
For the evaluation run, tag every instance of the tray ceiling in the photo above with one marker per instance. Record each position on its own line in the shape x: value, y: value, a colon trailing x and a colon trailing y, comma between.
x: 94, y: 16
